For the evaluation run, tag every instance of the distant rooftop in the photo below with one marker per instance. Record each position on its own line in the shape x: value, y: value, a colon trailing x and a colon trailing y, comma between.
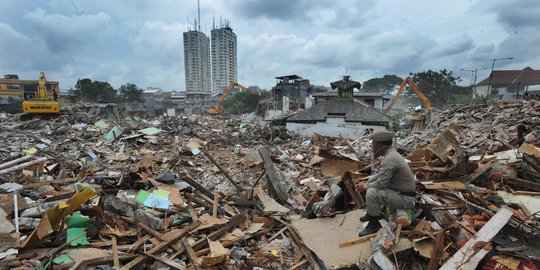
x: 355, y: 94
x: 353, y: 110
x: 152, y: 91
x: 526, y: 76
x: 291, y: 77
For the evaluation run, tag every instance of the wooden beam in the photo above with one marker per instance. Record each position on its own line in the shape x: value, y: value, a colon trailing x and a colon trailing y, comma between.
x: 168, y: 262
x: 116, y: 261
x: 356, y: 241
x: 179, y: 235
x: 398, y: 232
x: 357, y: 199
x: 201, y: 243
x: 522, y: 183
x: 151, y: 231
x: 216, y: 204
x: 488, y: 231
x: 192, y: 182
x: 191, y: 253
x: 223, y: 171
x: 437, y: 252
x: 138, y: 243
x: 275, y: 179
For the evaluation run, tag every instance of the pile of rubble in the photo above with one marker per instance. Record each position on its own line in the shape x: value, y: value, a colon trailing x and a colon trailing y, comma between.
x: 99, y: 187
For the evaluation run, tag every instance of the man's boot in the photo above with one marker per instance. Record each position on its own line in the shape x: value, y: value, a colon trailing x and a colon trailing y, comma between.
x: 367, y: 217
x: 372, y: 227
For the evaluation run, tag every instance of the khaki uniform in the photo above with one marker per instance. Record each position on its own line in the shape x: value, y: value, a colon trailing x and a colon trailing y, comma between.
x: 386, y: 188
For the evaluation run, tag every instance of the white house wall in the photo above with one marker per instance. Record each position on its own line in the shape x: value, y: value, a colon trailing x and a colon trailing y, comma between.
x: 333, y: 127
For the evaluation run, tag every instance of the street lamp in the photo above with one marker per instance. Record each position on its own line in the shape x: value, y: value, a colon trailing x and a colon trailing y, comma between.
x: 473, y: 74
x: 491, y: 74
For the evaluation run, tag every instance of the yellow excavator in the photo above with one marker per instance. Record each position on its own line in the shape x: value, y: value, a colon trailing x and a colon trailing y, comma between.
x: 412, y: 84
x: 218, y: 109
x: 420, y: 119
x: 40, y: 102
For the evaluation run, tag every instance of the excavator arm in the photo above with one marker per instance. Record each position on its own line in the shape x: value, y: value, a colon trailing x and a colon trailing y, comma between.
x: 218, y: 109
x: 412, y: 84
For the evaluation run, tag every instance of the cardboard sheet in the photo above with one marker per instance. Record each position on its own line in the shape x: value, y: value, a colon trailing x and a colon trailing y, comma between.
x: 323, y: 236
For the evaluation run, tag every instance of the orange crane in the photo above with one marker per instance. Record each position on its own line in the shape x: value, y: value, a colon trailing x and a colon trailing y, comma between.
x: 415, y: 88
x: 218, y: 109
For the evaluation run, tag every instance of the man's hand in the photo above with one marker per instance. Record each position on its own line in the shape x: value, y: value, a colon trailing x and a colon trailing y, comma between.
x: 360, y: 186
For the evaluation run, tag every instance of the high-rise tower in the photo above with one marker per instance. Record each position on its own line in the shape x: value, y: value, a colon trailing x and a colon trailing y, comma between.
x: 197, y: 61
x: 224, y: 63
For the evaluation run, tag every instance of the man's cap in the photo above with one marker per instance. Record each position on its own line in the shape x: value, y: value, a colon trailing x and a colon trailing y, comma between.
x: 382, y: 136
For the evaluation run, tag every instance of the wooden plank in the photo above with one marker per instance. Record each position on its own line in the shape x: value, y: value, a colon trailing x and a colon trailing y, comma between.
x: 151, y: 231
x: 168, y: 262
x: 302, y: 264
x: 179, y: 235
x: 191, y: 253
x: 223, y: 171
x: 314, y: 198
x: 357, y: 240
x: 192, y: 182
x: 444, y: 185
x: 522, y: 183
x: 216, y: 204
x: 437, y: 252
x: 357, y: 199
x: 477, y: 257
x: 488, y: 231
x: 275, y: 179
x: 201, y: 243
x: 398, y: 232
x: 102, y: 260
x: 116, y: 261
x: 138, y: 243
x: 300, y: 243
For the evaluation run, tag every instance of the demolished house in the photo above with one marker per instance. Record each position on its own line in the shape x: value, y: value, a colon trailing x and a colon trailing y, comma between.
x: 341, y: 115
x: 98, y: 189
x: 338, y: 117
x: 288, y: 95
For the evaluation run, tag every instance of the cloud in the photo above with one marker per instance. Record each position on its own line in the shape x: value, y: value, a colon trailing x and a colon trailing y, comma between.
x: 20, y: 53
x: 67, y: 33
x: 159, y: 43
x: 522, y: 24
x: 520, y: 14
x: 141, y: 42
x: 395, y: 52
x: 457, y: 45
x: 275, y: 9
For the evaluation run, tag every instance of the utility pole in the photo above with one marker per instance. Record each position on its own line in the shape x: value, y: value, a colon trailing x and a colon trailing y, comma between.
x: 491, y: 74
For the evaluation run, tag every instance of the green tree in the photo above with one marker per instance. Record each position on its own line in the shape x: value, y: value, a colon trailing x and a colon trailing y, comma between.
x: 437, y: 86
x: 461, y: 95
x: 386, y: 84
x: 96, y: 90
x: 241, y: 102
x: 129, y: 92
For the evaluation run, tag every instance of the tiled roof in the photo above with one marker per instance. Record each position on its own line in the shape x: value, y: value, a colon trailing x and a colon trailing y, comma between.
x: 352, y: 109
x: 527, y: 76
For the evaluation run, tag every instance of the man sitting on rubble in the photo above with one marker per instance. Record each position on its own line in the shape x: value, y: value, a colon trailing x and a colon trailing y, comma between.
x: 392, y: 187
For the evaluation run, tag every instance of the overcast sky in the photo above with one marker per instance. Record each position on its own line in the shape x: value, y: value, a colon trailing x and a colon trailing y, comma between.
x: 140, y: 41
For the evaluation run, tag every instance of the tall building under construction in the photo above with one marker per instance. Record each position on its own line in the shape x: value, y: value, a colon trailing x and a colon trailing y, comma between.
x: 224, y: 63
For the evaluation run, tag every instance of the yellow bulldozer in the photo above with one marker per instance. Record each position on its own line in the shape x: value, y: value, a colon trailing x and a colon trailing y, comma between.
x: 40, y: 102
